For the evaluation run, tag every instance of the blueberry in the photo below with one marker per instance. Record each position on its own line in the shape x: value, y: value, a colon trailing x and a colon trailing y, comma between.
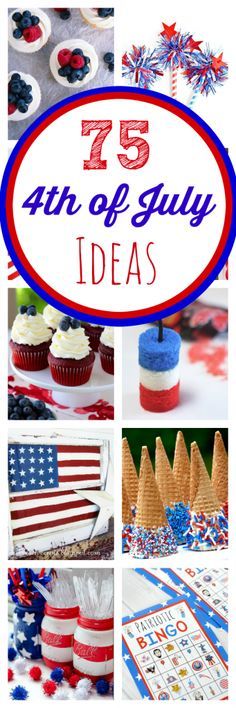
x: 75, y: 324
x: 17, y: 16
x: 15, y: 77
x: 25, y: 95
x: 31, y: 417
x: 22, y: 106
x: 27, y: 410
x: 72, y: 78
x: 14, y: 416
x: 15, y: 87
x: 78, y: 51
x: 65, y: 14
x: 65, y: 70
x: 34, y: 20
x: 11, y: 398
x: 11, y: 98
x: 31, y: 310
x: 87, y: 60
x: 17, y: 33
x: 24, y: 402
x: 85, y: 70
x: 79, y: 74
x: 19, y: 397
x: 65, y: 322
x: 105, y: 11
x: 39, y: 405
x: 25, y: 23
x: 23, y: 309
x: 22, y: 83
x: 111, y: 66
x: 28, y: 87
x: 26, y: 13
x: 29, y: 98
x: 108, y: 57
x: 17, y: 410
x: 43, y: 417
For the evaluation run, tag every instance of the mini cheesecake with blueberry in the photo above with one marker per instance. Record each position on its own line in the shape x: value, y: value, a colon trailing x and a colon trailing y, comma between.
x: 30, y: 340
x: 28, y: 31
x: 24, y: 95
x: 70, y: 357
x: 73, y: 63
x: 98, y: 17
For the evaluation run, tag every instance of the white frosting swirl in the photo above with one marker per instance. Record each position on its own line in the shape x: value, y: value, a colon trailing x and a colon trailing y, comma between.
x: 20, y: 45
x: 30, y: 329
x: 73, y: 344
x: 107, y: 337
x: 52, y: 316
x: 90, y: 15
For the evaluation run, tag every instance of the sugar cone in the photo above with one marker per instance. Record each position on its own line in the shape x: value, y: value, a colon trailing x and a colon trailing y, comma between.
x: 129, y: 473
x: 150, y: 512
x: 181, y: 468
x: 127, y: 517
x: 205, y: 499
x: 164, y: 476
x: 219, y: 476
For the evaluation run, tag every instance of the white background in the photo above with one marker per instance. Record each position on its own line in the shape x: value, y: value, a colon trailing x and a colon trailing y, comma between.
x: 137, y: 22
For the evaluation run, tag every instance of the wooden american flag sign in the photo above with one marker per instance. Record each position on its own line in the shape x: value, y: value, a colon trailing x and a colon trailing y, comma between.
x: 42, y: 480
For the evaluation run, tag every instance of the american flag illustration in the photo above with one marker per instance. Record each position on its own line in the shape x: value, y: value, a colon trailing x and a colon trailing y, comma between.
x: 42, y: 480
x: 12, y: 272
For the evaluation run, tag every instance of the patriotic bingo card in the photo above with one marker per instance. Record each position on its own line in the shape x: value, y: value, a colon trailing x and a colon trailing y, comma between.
x: 210, y: 586
x: 171, y: 655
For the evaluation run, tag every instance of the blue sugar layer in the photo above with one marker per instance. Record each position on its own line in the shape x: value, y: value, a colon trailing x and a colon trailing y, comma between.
x: 159, y: 356
x: 179, y: 520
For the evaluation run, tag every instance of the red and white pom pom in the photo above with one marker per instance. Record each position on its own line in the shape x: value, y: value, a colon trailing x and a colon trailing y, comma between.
x: 20, y: 665
x: 83, y: 689
x: 35, y: 673
x: 10, y: 675
x: 49, y: 687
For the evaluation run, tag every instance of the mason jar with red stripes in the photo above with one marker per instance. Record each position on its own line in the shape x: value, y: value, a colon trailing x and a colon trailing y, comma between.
x: 57, y: 635
x: 93, y: 648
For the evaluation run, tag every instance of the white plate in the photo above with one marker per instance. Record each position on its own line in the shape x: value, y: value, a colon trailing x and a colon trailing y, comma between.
x: 100, y: 385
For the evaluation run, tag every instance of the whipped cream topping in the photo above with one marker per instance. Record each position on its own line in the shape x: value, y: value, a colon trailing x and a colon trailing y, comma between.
x: 52, y: 316
x: 20, y: 45
x: 73, y: 344
x: 107, y: 337
x: 31, y: 330
x: 90, y: 15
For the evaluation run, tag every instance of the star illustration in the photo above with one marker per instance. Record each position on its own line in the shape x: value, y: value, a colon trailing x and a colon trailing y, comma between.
x: 31, y: 449
x: 32, y: 480
x: 22, y: 449
x: 22, y: 473
x: 22, y: 460
x: 217, y: 62
x: 169, y: 647
x: 176, y: 688
x: 21, y: 636
x: 40, y: 450
x: 193, y: 45
x: 25, y: 653
x: 29, y: 618
x: 23, y: 485
x: 32, y: 459
x: 184, y: 642
x: 183, y: 672
x: 41, y: 460
x: 104, y: 502
x: 169, y: 30
x: 36, y: 640
x: 41, y: 483
x: 126, y: 657
x: 12, y: 471
x: 12, y: 451
x: 13, y: 483
x: 49, y: 449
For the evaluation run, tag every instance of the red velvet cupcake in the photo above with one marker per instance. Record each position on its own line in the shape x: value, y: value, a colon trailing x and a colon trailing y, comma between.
x: 93, y: 332
x: 30, y: 340
x: 70, y: 357
x: 106, y: 350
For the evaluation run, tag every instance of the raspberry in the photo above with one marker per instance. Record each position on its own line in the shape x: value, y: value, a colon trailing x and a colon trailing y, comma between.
x: 32, y: 33
x: 77, y: 62
x: 11, y: 108
x: 64, y: 57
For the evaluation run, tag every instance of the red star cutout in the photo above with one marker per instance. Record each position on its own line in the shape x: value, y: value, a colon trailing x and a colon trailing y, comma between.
x: 217, y: 62
x: 192, y: 44
x: 169, y: 30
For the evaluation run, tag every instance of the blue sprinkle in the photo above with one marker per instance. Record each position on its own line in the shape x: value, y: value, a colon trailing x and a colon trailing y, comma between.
x: 19, y: 693
x: 179, y: 518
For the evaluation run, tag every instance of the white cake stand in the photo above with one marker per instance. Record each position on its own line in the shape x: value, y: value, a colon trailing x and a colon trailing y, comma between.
x: 100, y: 385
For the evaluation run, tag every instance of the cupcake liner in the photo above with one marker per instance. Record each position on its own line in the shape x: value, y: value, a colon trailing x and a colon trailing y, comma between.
x: 30, y: 358
x: 219, y: 475
x: 150, y: 511
x: 164, y: 476
x: 129, y: 474
x: 106, y: 358
x: 205, y: 499
x: 71, y: 372
x: 94, y: 334
x: 181, y: 468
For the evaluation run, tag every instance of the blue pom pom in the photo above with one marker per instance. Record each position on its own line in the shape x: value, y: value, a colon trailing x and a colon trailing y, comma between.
x: 102, y: 686
x: 12, y: 653
x: 57, y: 674
x: 19, y: 693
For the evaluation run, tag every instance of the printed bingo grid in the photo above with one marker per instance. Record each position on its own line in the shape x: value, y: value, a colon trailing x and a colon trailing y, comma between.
x: 175, y: 656
x: 210, y: 585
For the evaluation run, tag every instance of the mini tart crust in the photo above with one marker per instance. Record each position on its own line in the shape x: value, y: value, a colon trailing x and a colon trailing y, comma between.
x: 36, y: 93
x: 71, y: 44
x: 100, y: 23
x: 20, y: 45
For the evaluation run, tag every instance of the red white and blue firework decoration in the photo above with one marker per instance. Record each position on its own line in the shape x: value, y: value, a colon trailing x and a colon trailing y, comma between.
x: 175, y: 51
x: 205, y: 73
x: 141, y: 66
